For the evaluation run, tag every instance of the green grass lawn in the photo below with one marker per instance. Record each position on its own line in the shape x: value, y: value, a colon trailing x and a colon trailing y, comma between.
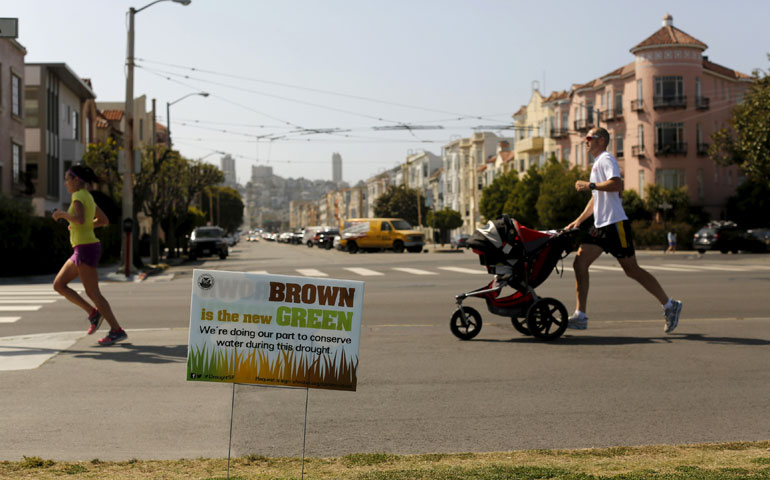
x: 726, y: 461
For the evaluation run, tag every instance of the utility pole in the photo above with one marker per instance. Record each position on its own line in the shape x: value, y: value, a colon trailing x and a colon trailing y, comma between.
x: 128, y: 152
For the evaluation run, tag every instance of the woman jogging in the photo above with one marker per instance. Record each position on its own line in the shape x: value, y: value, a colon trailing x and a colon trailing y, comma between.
x: 83, y: 216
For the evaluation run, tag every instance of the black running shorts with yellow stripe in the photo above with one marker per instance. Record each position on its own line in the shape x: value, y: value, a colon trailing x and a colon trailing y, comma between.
x: 617, y: 239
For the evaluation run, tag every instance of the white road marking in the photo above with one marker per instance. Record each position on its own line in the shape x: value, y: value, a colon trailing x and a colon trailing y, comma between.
x: 9, y: 319
x: 464, y: 270
x: 31, y: 293
x: 668, y: 268
x: 603, y: 268
x: 311, y: 272
x: 27, y: 352
x: 364, y: 272
x: 20, y: 308
x: 28, y: 300
x: 719, y: 268
x: 259, y: 272
x: 414, y: 271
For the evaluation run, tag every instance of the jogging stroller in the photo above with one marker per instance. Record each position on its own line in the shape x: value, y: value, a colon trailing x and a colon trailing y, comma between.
x: 522, y: 259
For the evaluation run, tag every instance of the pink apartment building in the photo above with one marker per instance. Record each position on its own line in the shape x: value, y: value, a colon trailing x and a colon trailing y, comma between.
x: 660, y: 110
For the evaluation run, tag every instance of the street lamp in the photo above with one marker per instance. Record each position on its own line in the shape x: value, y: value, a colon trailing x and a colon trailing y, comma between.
x: 168, y: 112
x: 128, y: 157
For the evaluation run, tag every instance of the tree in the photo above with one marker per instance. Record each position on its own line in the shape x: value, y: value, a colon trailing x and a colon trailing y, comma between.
x: 747, y: 141
x: 658, y: 197
x: 103, y: 160
x: 558, y: 202
x: 750, y: 199
x: 495, y: 195
x: 444, y: 220
x: 522, y: 203
x: 400, y: 202
x: 227, y: 207
x: 195, y: 176
x: 634, y: 206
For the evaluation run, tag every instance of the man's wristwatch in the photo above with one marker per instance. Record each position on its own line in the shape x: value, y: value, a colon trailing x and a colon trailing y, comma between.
x: 592, y: 186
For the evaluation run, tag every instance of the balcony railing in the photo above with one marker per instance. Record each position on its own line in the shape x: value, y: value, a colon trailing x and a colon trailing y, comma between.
x: 584, y: 124
x: 559, y: 132
x: 637, y: 105
x: 703, y: 149
x: 637, y: 150
x: 669, y: 101
x: 671, y: 148
x: 611, y: 114
x: 702, y: 103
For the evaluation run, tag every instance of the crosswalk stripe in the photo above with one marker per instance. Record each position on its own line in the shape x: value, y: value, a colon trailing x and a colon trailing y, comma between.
x: 27, y: 352
x: 414, y: 271
x: 723, y: 269
x: 31, y: 293
x: 20, y: 308
x: 364, y: 272
x: 9, y: 319
x: 28, y: 300
x: 668, y: 269
x: 463, y: 270
x: 311, y: 272
x: 607, y: 269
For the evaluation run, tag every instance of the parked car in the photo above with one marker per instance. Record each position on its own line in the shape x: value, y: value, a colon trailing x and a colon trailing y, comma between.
x: 205, y: 241
x: 726, y: 236
x: 762, y: 234
x: 230, y: 240
x: 325, y: 238
x: 460, y: 241
x: 253, y: 237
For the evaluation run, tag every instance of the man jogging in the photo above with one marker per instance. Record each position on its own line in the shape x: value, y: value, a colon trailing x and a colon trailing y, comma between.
x: 611, y: 233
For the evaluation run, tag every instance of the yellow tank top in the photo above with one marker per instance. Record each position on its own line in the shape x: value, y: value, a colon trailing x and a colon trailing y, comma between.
x: 83, y: 234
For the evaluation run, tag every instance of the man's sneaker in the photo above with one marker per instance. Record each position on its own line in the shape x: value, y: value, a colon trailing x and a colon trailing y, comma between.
x: 113, y: 337
x: 577, y: 322
x: 672, y: 316
x: 96, y: 321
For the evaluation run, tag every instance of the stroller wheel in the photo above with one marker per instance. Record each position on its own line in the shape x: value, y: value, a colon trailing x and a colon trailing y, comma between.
x: 520, y: 324
x: 547, y: 319
x: 468, y: 327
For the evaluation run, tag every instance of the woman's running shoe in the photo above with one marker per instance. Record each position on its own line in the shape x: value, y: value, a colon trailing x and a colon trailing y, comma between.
x: 113, y: 337
x: 96, y: 321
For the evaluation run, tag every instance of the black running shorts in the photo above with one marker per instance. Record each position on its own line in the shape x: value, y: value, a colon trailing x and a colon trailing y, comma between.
x: 617, y: 239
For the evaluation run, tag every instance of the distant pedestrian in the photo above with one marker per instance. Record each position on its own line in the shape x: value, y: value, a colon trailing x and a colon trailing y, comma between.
x: 611, y: 233
x: 671, y: 241
x: 83, y: 216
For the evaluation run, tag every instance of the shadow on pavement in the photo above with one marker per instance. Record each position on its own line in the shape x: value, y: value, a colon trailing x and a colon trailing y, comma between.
x: 127, y: 352
x: 592, y: 340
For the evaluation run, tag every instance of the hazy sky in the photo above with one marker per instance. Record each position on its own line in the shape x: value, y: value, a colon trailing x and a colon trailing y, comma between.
x: 275, y: 68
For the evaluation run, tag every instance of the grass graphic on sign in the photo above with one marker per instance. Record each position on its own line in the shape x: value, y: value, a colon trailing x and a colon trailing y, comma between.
x: 287, y: 368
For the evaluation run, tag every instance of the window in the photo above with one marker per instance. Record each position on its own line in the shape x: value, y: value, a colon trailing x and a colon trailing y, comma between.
x: 669, y: 91
x: 640, y: 133
x: 565, y: 153
x: 641, y: 184
x: 698, y: 92
x: 639, y: 89
x: 619, y: 145
x: 16, y: 95
x: 669, y: 134
x: 700, y: 184
x: 618, y: 103
x: 565, y: 120
x: 669, y: 178
x: 31, y: 108
x: 141, y: 129
x: 590, y: 113
x: 15, y: 162
x: 75, y: 125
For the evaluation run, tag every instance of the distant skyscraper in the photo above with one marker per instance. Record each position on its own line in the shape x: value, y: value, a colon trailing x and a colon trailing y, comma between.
x: 336, y: 167
x: 260, y: 172
x: 228, y: 168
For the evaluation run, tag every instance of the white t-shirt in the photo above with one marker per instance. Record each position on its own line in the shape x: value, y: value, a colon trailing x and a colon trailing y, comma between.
x: 608, y: 206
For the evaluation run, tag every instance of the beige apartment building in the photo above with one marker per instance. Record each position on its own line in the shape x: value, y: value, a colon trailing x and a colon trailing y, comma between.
x: 12, y: 165
x: 57, y: 114
x: 661, y: 110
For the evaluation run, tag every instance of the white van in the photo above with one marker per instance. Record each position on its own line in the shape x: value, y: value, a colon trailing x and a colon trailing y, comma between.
x: 309, y: 233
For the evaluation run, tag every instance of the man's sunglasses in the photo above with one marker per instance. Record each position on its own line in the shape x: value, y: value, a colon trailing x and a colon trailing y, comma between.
x: 592, y: 137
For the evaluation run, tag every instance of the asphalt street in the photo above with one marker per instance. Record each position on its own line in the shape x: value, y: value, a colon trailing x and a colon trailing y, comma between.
x: 621, y: 382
